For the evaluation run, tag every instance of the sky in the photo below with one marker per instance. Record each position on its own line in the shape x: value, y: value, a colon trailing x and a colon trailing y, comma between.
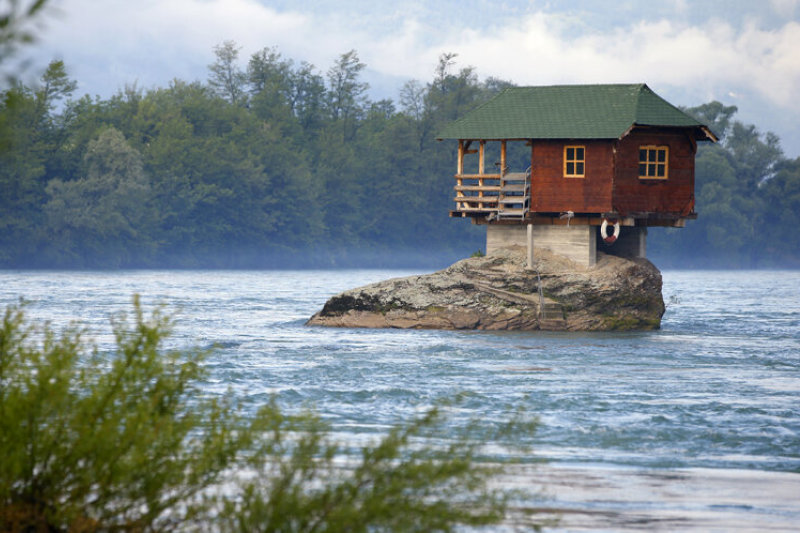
x: 740, y: 52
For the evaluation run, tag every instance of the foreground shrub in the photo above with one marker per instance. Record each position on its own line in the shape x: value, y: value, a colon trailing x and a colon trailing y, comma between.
x: 128, y: 441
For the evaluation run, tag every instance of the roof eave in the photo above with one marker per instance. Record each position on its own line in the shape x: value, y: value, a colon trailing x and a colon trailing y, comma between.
x: 709, y: 135
x: 702, y: 132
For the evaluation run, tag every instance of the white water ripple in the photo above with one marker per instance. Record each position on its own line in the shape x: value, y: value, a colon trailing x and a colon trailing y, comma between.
x: 693, y: 427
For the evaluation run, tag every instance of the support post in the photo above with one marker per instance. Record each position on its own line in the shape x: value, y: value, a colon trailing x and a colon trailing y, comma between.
x: 642, y: 242
x: 460, y: 163
x: 529, y: 239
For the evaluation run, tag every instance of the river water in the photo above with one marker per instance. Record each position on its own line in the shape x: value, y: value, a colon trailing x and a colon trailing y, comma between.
x: 695, y: 427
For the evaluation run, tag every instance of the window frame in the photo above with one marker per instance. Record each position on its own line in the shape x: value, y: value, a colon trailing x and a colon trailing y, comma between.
x: 655, y: 163
x: 574, y: 161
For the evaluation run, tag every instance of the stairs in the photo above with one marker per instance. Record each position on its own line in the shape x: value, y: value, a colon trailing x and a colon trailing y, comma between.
x: 551, y: 316
x: 515, y: 195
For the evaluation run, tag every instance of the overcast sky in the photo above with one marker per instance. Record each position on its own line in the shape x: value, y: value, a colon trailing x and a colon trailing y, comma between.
x: 741, y: 52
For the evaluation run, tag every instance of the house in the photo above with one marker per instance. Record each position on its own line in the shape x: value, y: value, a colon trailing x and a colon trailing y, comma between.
x: 576, y: 168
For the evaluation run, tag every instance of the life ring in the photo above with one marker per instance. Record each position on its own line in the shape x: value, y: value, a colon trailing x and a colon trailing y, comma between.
x: 609, y: 239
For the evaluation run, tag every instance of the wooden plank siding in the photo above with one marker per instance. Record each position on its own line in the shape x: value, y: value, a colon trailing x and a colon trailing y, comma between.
x: 674, y: 195
x: 553, y: 193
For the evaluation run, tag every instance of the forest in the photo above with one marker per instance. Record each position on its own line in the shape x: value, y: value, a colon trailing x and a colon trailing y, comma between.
x: 272, y: 163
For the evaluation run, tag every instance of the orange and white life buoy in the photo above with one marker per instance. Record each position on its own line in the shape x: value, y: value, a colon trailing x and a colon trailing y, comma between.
x: 609, y: 239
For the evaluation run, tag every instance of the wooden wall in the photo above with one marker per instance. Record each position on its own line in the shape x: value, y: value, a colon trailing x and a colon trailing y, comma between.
x: 674, y: 195
x: 553, y: 193
x: 626, y: 193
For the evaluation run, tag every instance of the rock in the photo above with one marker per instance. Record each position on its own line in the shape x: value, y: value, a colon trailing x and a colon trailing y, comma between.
x: 497, y: 292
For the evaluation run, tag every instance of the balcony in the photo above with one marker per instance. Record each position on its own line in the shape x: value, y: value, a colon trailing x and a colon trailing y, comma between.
x: 492, y: 196
x: 495, y: 196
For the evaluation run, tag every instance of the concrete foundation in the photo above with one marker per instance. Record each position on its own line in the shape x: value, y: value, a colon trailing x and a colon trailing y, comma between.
x: 578, y: 243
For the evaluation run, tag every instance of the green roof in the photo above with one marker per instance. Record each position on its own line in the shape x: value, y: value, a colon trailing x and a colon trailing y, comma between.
x: 570, y: 112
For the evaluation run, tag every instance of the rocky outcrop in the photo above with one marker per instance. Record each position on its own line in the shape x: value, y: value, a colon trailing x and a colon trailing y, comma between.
x: 497, y: 292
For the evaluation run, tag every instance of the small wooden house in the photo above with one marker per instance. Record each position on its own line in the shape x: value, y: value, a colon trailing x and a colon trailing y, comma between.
x: 576, y: 168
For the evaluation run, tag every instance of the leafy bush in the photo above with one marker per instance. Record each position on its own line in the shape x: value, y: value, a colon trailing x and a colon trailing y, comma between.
x: 94, y: 441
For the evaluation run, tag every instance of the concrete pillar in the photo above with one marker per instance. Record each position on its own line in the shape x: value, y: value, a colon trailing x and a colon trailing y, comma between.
x: 530, y: 247
x: 642, y: 242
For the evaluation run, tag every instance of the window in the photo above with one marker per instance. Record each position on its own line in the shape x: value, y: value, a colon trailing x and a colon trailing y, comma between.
x: 574, y: 161
x: 653, y: 162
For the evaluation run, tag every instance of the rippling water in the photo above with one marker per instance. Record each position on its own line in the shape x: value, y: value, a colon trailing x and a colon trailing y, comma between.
x: 695, y: 426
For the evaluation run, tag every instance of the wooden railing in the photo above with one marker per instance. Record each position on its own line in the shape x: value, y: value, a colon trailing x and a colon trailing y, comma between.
x: 477, y: 193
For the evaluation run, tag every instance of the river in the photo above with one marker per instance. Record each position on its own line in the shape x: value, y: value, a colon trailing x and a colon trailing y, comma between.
x: 695, y: 427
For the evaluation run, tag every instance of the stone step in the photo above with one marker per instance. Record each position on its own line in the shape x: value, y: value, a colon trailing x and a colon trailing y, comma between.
x: 551, y: 317
x: 552, y: 310
x: 552, y: 325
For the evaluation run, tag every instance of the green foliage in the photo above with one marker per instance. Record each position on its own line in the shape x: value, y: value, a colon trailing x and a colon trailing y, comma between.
x: 226, y: 78
x: 101, y: 214
x: 103, y: 441
x: 276, y: 164
x: 128, y: 440
x: 395, y: 485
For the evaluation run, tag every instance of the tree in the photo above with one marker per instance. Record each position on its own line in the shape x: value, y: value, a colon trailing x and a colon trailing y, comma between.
x: 452, y: 95
x: 781, y: 214
x: 307, y: 97
x: 103, y: 207
x: 23, y: 160
x: 715, y: 115
x: 55, y: 85
x: 755, y: 154
x: 346, y: 94
x: 268, y: 71
x: 127, y: 440
x: 412, y: 98
x: 226, y: 78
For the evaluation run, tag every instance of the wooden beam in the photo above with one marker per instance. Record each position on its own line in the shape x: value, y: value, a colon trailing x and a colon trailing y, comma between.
x: 460, y: 165
x: 485, y: 188
x: 486, y: 210
x: 477, y: 176
x: 476, y: 199
x: 502, y: 157
x: 482, y: 158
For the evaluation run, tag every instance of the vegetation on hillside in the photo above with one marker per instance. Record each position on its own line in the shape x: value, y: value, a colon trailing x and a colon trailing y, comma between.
x: 273, y: 163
